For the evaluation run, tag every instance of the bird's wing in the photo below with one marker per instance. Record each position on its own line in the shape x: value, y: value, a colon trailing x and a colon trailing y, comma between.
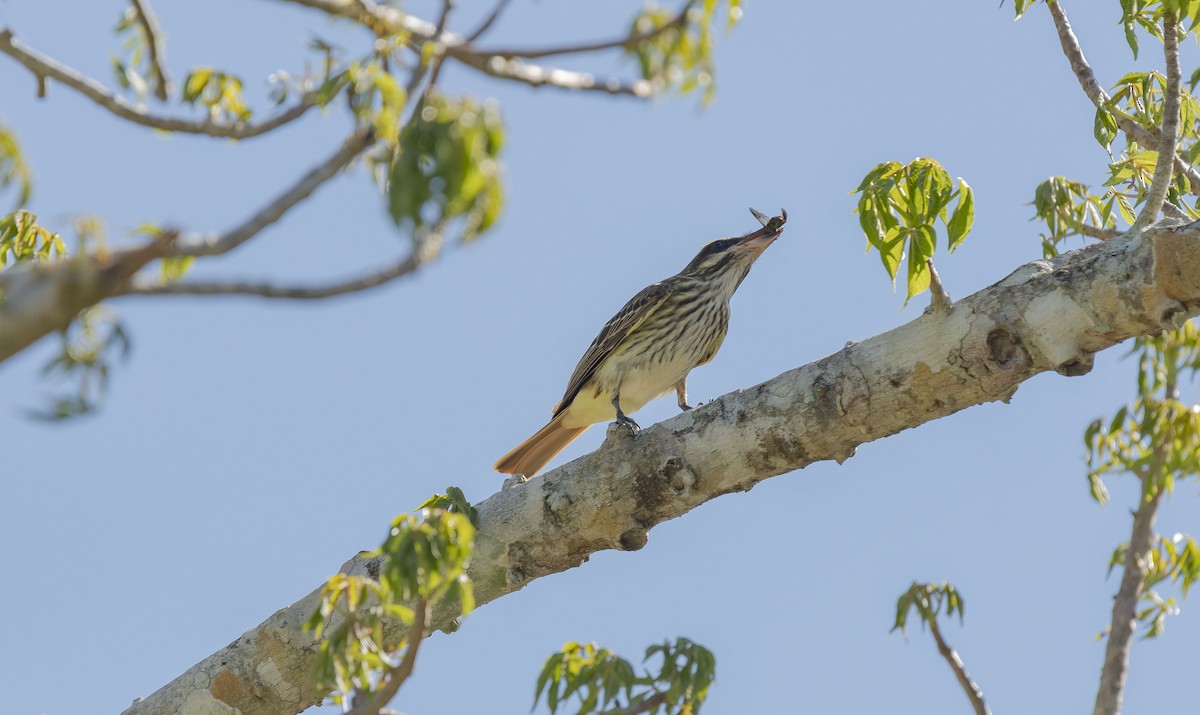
x: 635, y: 312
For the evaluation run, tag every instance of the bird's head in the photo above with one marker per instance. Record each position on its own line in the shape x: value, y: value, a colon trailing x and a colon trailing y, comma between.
x: 735, y: 255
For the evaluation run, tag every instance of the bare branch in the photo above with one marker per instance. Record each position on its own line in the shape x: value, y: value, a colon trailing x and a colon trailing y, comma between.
x: 628, y: 41
x: 1145, y: 136
x: 374, y: 15
x: 650, y: 704
x: 488, y: 22
x: 538, y: 76
x: 939, y: 299
x: 44, y: 68
x: 1168, y: 134
x: 970, y: 687
x: 358, y: 142
x: 1124, y: 614
x: 1103, y: 234
x: 154, y: 44
x: 399, y: 269
x: 397, y: 675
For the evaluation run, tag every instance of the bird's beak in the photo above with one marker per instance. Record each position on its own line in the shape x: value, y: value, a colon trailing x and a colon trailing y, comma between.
x: 771, y: 227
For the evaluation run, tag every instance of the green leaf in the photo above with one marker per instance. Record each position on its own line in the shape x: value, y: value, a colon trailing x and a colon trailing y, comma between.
x: 1104, y: 128
x: 195, y: 83
x: 963, y: 218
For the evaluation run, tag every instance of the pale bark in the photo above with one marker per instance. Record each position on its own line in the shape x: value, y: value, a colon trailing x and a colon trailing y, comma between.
x: 1047, y: 315
x: 39, y: 298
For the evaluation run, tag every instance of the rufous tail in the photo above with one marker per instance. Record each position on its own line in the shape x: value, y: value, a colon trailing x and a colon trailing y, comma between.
x: 532, y: 454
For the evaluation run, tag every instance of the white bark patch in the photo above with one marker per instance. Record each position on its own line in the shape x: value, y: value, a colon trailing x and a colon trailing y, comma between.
x: 275, y: 680
x: 201, y: 702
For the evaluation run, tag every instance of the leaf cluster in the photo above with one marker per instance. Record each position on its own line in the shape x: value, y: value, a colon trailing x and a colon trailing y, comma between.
x: 1068, y: 208
x: 929, y: 600
x: 22, y: 239
x: 1157, y: 437
x: 446, y: 167
x: 455, y: 502
x: 598, y: 679
x: 13, y: 169
x: 87, y: 351
x: 680, y: 54
x: 218, y: 92
x: 1175, y: 560
x: 423, y: 562
x: 1149, y: 14
x: 897, y: 210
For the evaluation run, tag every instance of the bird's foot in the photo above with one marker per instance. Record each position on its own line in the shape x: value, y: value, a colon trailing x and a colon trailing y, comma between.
x: 685, y: 406
x: 623, y: 419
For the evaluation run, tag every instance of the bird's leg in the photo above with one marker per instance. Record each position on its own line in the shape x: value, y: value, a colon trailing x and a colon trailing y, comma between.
x: 622, y: 418
x: 681, y: 393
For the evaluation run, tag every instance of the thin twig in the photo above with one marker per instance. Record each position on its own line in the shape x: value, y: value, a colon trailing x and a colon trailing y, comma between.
x: 397, y: 675
x: 44, y: 68
x: 373, y: 15
x: 939, y: 299
x: 488, y: 21
x: 1110, y: 693
x: 440, y: 56
x: 678, y: 20
x: 398, y: 269
x: 648, y: 705
x: 154, y: 43
x: 1163, y: 168
x: 358, y: 142
x: 970, y: 687
x: 1145, y: 136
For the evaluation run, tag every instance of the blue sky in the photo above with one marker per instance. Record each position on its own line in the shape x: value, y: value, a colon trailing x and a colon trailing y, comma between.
x: 248, y: 448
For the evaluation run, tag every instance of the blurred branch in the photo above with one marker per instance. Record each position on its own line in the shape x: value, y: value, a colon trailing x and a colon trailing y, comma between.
x: 44, y: 67
x: 1170, y: 125
x: 428, y: 251
x: 650, y: 704
x: 1146, y: 136
x: 392, y: 20
x: 1124, y: 614
x: 41, y: 298
x: 398, y: 674
x: 970, y: 687
x: 149, y: 23
x: 490, y: 20
x: 358, y: 142
x: 629, y: 40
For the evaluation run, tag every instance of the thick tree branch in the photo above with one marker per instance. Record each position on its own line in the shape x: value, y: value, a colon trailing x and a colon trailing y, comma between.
x: 1168, y: 133
x: 399, y: 269
x: 44, y: 67
x: 392, y: 20
x: 970, y: 687
x: 358, y: 142
x: 37, y: 299
x: 1047, y: 315
x: 154, y: 46
x: 1145, y: 136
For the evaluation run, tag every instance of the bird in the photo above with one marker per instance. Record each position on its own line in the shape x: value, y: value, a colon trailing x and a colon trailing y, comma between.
x: 649, y: 346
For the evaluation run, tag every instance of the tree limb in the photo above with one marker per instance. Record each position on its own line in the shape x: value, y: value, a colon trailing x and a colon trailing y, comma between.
x: 213, y: 245
x: 154, y: 45
x: 970, y: 687
x: 1145, y: 136
x: 650, y: 704
x: 39, y: 298
x: 1168, y: 133
x: 1047, y: 315
x: 44, y: 67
